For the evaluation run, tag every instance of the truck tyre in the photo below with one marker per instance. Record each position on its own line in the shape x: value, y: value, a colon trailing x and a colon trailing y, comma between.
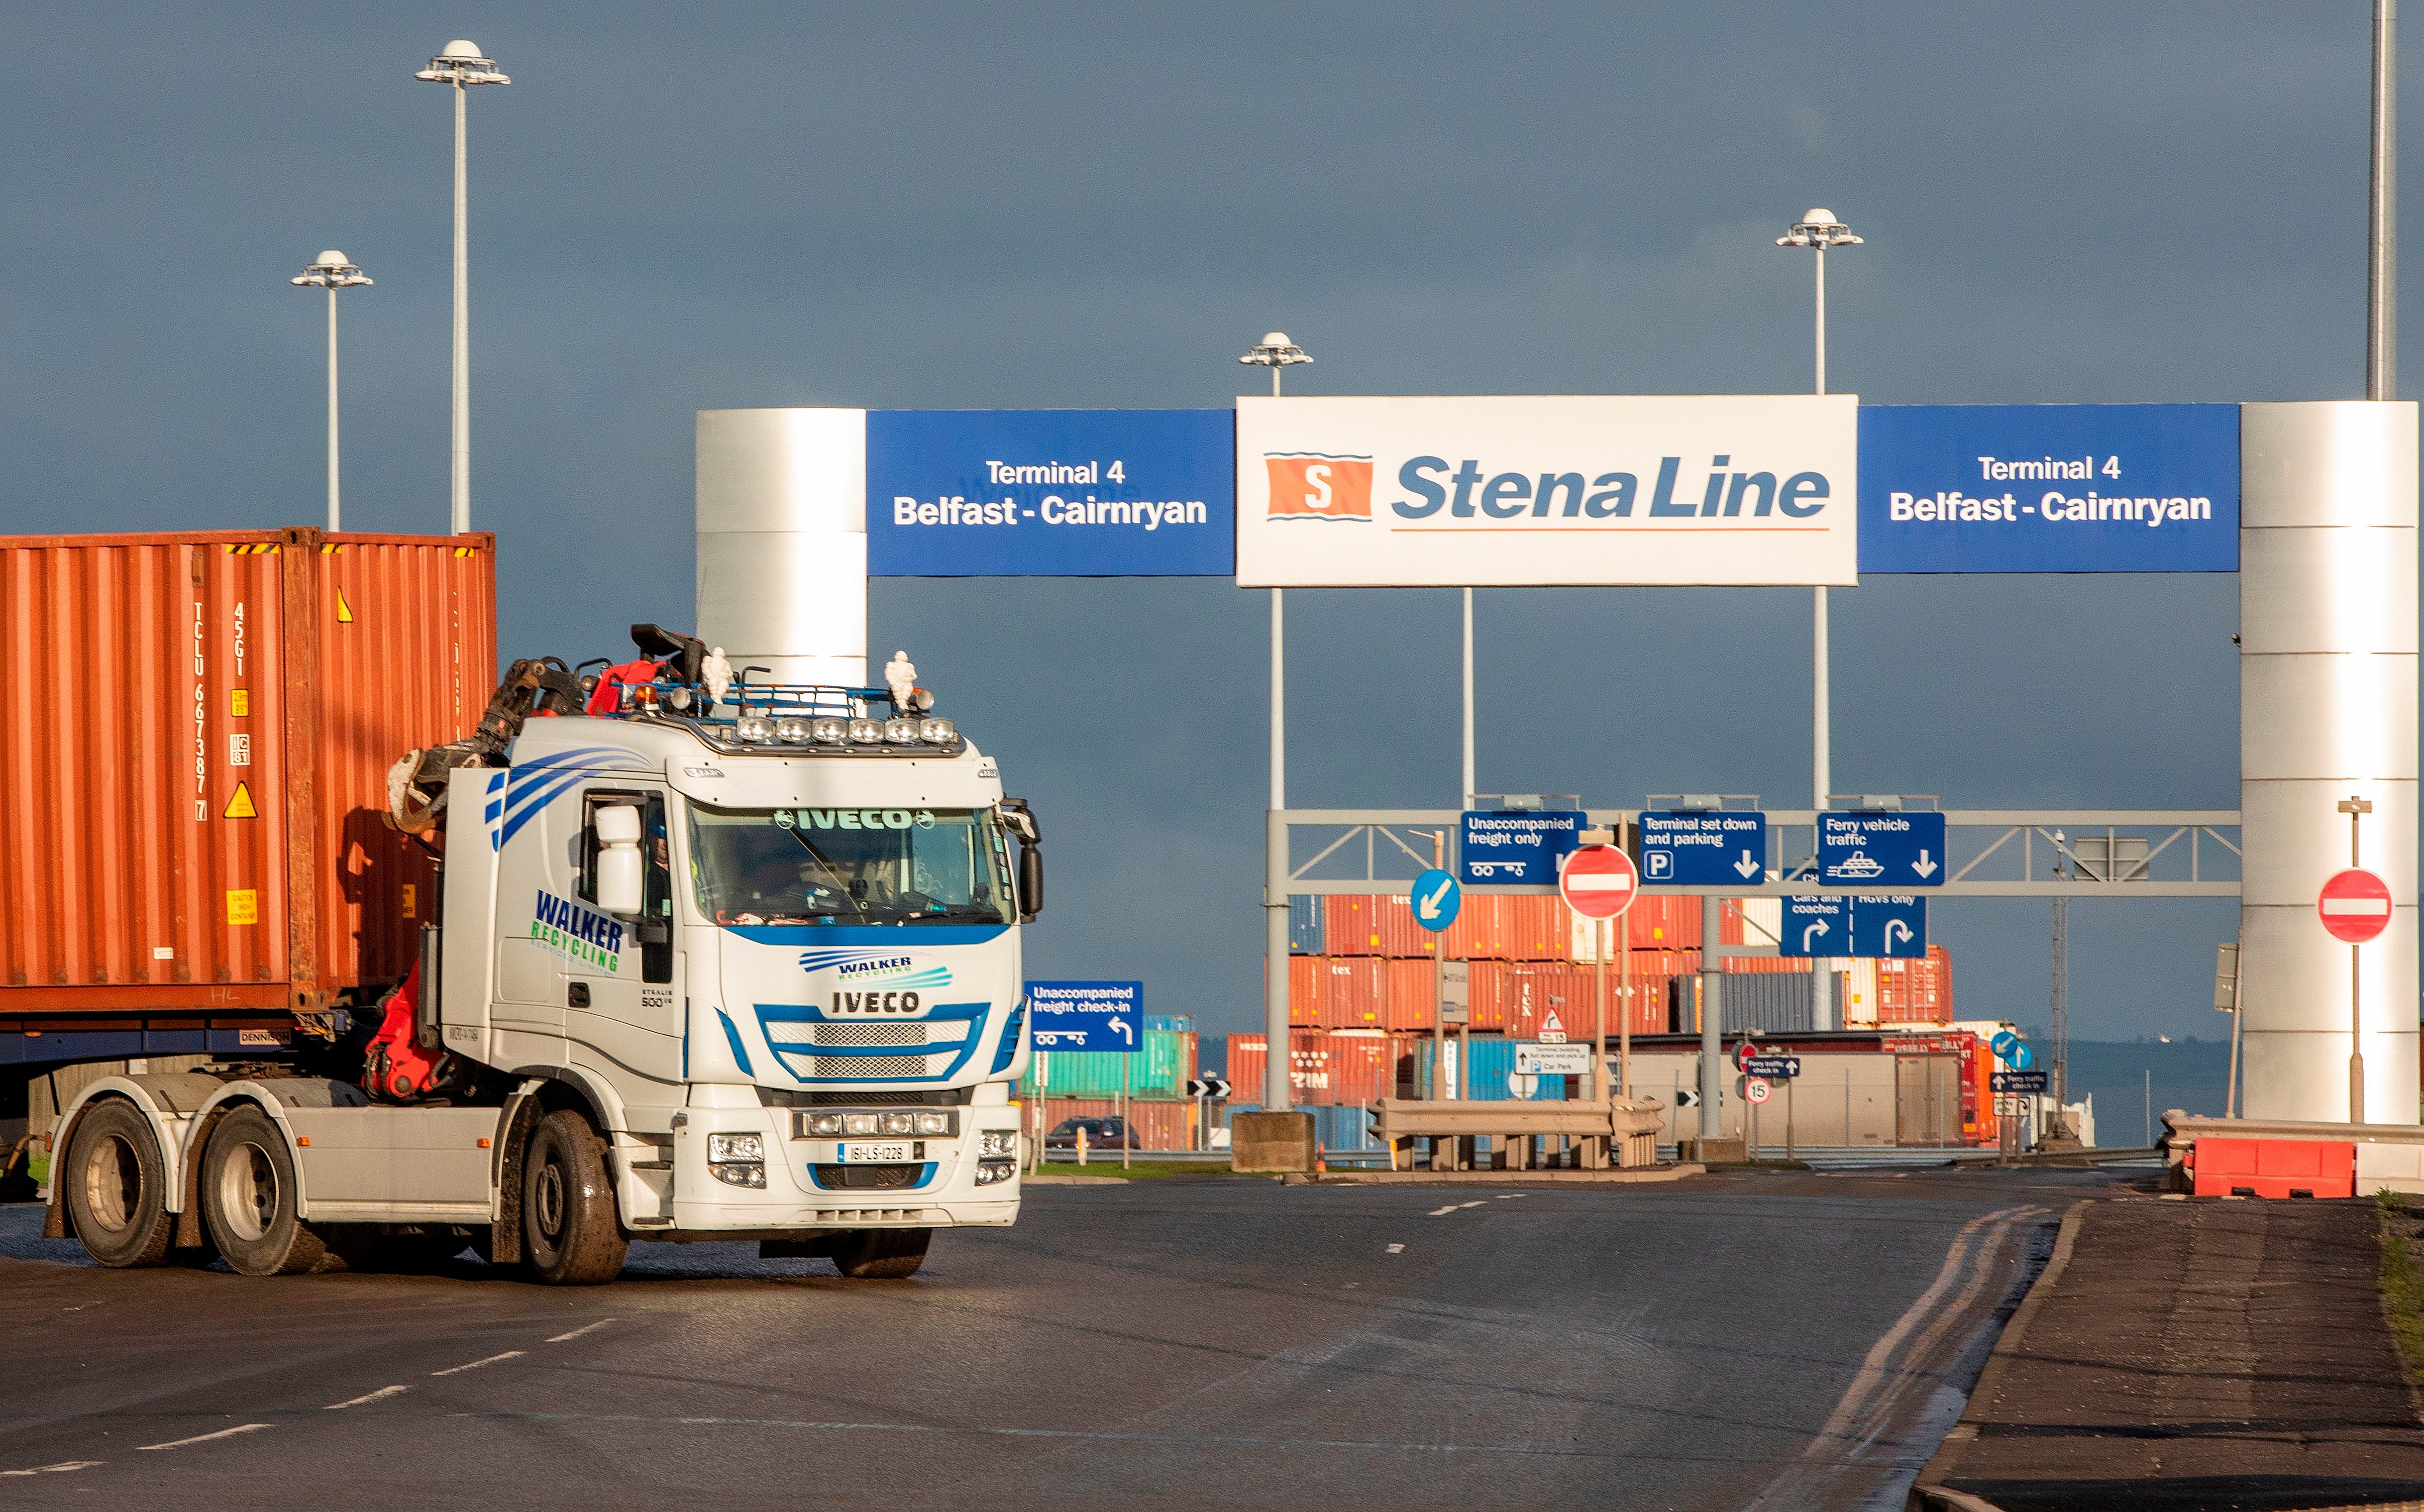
x: 570, y: 1235
x: 116, y: 1187
x: 252, y: 1201
x: 881, y: 1254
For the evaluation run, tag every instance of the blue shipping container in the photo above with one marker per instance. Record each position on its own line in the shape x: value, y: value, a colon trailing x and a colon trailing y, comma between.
x: 1305, y: 925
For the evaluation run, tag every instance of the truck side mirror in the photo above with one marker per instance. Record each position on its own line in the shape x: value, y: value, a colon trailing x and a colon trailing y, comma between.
x: 617, y: 827
x: 1030, y: 881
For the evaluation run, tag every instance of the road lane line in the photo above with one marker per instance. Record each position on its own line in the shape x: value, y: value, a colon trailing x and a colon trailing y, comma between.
x: 53, y: 1469
x: 205, y: 1437
x: 1397, y: 1248
x: 1441, y: 1212
x: 579, y: 1331
x: 457, y: 1370
x: 381, y: 1392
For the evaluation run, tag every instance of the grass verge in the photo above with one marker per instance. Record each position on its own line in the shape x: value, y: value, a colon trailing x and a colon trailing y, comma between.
x: 2402, y: 1277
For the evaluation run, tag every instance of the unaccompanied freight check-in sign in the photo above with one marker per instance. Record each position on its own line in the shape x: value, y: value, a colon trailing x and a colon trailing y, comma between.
x: 2049, y: 488
x: 1050, y: 493
x: 1515, y: 490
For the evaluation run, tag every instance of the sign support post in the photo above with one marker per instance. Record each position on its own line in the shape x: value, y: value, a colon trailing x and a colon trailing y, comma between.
x: 1597, y: 882
x: 2355, y: 808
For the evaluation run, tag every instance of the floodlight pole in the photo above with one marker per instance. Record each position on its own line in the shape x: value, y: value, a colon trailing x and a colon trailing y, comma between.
x: 331, y: 271
x: 2382, y: 249
x: 1275, y: 351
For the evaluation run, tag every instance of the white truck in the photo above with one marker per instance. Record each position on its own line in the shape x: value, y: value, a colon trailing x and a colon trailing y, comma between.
x: 718, y: 965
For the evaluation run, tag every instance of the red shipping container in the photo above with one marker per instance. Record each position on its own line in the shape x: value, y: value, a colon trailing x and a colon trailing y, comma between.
x: 1363, y: 1067
x: 1350, y: 925
x: 1663, y: 921
x: 1310, y: 1072
x: 1479, y: 932
x: 1354, y: 992
x: 1536, y: 929
x: 1917, y: 990
x: 1410, y: 993
x: 1488, y: 1008
x: 195, y: 764
x: 1305, y: 985
x: 1529, y: 995
x: 1779, y: 965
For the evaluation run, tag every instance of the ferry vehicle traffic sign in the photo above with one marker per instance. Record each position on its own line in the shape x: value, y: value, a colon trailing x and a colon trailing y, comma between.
x: 1599, y: 881
x: 2354, y: 906
x: 1897, y: 849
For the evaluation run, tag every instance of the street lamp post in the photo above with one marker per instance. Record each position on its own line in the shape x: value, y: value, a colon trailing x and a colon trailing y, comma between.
x: 1818, y: 230
x: 331, y: 271
x: 1275, y: 351
x: 461, y: 66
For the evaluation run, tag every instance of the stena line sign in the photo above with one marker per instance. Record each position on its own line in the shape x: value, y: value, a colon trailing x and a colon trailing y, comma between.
x: 1517, y: 491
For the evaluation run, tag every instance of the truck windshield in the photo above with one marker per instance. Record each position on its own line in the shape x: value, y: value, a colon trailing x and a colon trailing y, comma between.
x: 850, y: 866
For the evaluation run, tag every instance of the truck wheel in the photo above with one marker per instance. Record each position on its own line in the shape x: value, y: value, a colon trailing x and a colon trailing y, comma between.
x: 252, y: 1201
x: 881, y: 1254
x: 116, y: 1187
x: 569, y: 1228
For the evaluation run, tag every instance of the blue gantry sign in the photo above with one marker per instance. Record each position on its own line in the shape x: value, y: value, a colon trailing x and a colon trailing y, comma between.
x: 1893, y: 927
x: 1088, y: 1016
x: 1881, y: 850
x: 1704, y: 848
x: 2049, y: 489
x: 1066, y: 493
x: 1820, y: 925
x: 1519, y: 848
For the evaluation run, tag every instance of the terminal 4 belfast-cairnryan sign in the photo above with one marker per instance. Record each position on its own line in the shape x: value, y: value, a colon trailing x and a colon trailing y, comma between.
x: 2049, y: 489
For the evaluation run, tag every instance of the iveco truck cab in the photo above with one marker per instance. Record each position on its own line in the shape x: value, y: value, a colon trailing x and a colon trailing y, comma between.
x: 719, y: 963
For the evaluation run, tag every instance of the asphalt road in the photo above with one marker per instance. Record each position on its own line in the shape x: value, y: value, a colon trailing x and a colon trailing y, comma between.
x: 1781, y: 1341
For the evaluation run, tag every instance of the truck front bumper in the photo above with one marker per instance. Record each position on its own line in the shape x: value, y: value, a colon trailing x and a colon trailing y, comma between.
x: 812, y: 1184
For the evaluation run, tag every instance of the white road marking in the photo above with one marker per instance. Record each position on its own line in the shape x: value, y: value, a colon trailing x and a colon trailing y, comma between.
x: 52, y: 1470
x: 579, y: 1331
x: 1452, y: 1208
x: 1397, y: 1248
x: 382, y: 1392
x: 457, y: 1370
x: 205, y: 1437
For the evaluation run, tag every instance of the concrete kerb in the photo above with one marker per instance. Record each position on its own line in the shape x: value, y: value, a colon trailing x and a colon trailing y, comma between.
x: 1620, y: 1176
x: 1929, y: 1490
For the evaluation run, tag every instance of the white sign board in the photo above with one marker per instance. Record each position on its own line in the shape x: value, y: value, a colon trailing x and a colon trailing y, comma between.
x: 1553, y: 1059
x: 1515, y: 491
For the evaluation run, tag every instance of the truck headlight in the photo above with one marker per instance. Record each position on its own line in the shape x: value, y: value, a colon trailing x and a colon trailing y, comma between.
x: 937, y: 731
x: 753, y: 729
x: 898, y: 1124
x: 991, y: 1172
x: 741, y: 1172
x: 867, y: 732
x: 723, y: 1147
x: 934, y: 1123
x: 900, y: 731
x: 791, y: 731
x: 858, y: 1123
x: 824, y: 1125
x: 828, y: 730
x: 996, y: 1142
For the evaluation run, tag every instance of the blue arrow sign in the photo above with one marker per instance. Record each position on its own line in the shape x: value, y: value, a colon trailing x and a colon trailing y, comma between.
x: 1816, y: 927
x: 1088, y: 1016
x: 1702, y: 850
x: 1437, y: 898
x: 2019, y: 1081
x: 1900, y: 850
x: 1893, y: 927
x: 1772, y: 1068
x: 2002, y: 1042
x: 1519, y: 848
x: 2021, y: 1057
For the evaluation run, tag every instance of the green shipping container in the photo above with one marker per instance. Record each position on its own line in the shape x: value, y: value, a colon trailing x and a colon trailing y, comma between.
x: 1159, y: 1071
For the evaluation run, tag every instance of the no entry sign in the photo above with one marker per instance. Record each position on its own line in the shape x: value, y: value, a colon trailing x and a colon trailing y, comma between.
x: 2355, y: 906
x: 1599, y: 881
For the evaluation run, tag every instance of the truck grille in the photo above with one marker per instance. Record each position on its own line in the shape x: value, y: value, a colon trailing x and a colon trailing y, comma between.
x: 841, y: 1034
x: 855, y: 1066
x: 853, y: 1176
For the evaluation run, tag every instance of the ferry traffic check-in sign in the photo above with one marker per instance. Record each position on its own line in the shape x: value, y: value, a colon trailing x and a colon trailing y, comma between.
x: 2354, y: 906
x: 1599, y: 881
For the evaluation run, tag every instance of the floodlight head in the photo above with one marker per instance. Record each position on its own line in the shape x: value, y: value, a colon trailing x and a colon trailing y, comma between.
x: 1274, y: 351
x: 459, y: 64
x: 1819, y: 228
x: 332, y: 271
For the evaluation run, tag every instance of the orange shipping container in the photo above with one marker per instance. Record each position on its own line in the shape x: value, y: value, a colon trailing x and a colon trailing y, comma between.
x: 1354, y: 992
x: 1411, y: 994
x: 1663, y: 921
x: 1309, y: 1065
x: 194, y: 770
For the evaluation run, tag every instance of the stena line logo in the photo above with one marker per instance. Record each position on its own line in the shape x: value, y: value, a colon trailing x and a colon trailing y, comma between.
x: 1319, y: 485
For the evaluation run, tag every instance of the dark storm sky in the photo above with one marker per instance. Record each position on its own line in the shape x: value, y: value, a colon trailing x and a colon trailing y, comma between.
x: 941, y: 206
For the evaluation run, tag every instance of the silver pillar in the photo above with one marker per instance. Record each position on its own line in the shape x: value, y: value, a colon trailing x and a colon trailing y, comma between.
x: 782, y: 542
x: 1712, y: 1059
x: 2327, y: 680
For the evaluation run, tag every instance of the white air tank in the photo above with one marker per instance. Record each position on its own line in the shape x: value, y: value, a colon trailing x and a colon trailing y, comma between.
x: 2327, y: 711
x: 782, y: 542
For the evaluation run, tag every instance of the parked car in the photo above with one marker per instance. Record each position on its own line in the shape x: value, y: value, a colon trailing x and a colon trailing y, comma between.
x: 1101, y: 1134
